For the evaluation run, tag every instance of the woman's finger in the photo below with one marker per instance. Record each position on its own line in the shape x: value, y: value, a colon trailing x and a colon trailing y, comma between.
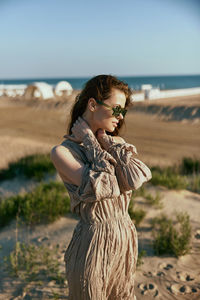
x: 101, y: 132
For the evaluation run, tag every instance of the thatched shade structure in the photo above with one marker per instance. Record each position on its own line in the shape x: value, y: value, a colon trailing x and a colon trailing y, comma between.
x: 39, y: 90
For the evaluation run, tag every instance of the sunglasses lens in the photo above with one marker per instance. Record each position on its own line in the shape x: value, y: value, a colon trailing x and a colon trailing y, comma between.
x: 118, y: 110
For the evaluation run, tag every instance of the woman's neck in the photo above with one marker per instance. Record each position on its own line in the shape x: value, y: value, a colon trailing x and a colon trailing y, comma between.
x: 89, y: 121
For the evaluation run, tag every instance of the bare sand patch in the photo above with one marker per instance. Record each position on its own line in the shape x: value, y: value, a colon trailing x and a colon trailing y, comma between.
x: 161, y: 142
x: 14, y: 148
x: 165, y: 277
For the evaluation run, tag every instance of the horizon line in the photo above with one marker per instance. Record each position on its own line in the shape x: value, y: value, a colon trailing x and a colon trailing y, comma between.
x: 90, y: 76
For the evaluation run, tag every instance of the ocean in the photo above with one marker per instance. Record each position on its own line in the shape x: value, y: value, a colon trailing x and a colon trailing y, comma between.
x: 135, y: 82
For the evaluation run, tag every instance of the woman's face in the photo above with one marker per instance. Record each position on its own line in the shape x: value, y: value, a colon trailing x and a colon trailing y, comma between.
x: 102, y: 116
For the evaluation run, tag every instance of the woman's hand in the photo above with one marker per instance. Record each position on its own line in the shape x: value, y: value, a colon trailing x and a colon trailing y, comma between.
x: 79, y: 129
x: 106, y: 140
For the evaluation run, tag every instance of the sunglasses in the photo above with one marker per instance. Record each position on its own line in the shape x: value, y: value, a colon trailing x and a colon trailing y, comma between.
x: 117, y: 110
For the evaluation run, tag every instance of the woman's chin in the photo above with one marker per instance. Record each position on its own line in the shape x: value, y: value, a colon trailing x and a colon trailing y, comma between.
x: 110, y: 129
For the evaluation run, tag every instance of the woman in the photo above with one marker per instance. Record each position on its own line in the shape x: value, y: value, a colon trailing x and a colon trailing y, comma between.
x: 99, y: 170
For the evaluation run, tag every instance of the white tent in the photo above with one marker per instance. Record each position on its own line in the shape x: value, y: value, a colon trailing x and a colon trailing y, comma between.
x: 39, y: 90
x: 63, y: 88
x: 12, y: 90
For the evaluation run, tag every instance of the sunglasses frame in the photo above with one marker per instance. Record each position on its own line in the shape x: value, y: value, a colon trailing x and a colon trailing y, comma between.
x: 117, y: 110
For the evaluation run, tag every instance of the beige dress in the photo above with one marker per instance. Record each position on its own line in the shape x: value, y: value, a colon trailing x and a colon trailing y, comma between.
x: 102, y: 254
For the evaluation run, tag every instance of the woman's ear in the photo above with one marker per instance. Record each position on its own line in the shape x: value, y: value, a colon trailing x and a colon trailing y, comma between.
x: 92, y: 104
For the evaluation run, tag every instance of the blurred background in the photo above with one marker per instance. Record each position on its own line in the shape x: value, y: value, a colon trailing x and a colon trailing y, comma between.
x: 48, y: 50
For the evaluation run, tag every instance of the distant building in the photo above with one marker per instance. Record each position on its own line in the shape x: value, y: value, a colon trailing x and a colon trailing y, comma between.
x: 63, y: 88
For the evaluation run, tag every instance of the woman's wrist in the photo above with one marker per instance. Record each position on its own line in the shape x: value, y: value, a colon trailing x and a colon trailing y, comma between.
x: 106, y: 141
x: 100, y: 158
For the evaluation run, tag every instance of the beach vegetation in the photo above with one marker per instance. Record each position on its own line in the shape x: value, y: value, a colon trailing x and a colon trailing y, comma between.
x: 171, y: 236
x: 46, y: 203
x: 141, y: 255
x: 190, y: 166
x: 141, y: 192
x: 154, y: 200
x: 32, y: 167
x: 38, y: 263
x: 182, y: 176
x: 151, y: 199
x: 166, y: 177
x: 194, y: 183
x: 136, y: 214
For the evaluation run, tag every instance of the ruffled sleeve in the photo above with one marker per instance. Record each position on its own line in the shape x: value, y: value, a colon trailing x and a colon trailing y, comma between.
x: 131, y: 172
x: 99, y: 181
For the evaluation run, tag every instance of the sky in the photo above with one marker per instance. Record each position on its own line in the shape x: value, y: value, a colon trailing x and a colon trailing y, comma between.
x: 61, y: 38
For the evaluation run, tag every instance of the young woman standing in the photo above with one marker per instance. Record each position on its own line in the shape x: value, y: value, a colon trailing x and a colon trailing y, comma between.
x: 100, y: 170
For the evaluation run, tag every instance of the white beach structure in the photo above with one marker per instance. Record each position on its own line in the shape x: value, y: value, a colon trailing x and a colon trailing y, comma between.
x: 63, y: 88
x: 137, y: 97
x: 39, y: 90
x: 12, y: 90
x: 146, y: 88
x: 149, y: 93
x: 176, y: 93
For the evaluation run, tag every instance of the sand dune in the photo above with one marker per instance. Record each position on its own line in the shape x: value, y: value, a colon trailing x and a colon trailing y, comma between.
x: 185, y: 109
x: 43, y: 123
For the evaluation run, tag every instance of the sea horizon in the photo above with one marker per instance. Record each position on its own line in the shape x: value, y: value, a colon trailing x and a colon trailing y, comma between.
x: 163, y: 82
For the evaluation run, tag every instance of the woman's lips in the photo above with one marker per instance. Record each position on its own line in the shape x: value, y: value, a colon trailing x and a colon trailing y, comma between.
x: 115, y: 124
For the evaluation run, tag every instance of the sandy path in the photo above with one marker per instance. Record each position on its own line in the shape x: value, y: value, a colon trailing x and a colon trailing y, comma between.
x: 170, y: 278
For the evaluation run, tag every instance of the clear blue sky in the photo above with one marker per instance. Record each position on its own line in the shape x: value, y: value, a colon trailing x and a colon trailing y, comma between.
x: 61, y: 38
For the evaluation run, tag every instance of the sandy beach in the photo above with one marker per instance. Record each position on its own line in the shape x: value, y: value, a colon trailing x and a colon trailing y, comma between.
x: 29, y: 127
